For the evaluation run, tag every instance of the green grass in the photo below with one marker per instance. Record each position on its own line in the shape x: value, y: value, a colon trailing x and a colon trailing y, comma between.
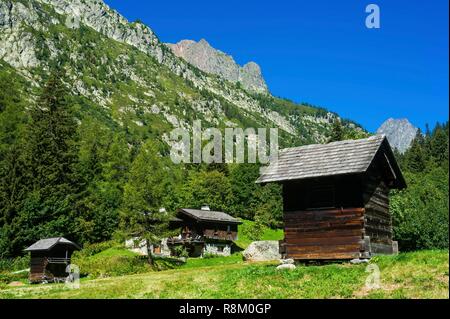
x: 215, y: 261
x: 109, y: 259
x: 268, y: 234
x: 421, y: 274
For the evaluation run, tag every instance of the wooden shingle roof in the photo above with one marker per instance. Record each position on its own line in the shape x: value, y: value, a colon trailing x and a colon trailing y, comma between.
x: 49, y: 243
x: 321, y: 160
x: 209, y: 215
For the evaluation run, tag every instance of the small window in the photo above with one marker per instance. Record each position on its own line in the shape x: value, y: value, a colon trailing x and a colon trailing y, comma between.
x: 321, y: 197
x: 220, y: 249
x: 229, y: 229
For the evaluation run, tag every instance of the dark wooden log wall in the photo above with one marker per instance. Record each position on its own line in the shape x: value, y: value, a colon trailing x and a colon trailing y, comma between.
x: 324, y: 234
x: 191, y: 228
x: 220, y: 231
x: 378, y: 219
x: 220, y: 234
x: 38, y: 265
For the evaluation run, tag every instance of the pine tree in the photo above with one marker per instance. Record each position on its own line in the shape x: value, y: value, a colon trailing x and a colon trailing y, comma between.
x: 439, y: 144
x: 51, y: 154
x: 52, y: 148
x: 146, y: 193
x: 337, y: 132
x: 427, y: 131
x: 13, y: 174
x: 415, y: 159
x: 97, y: 203
x: 244, y: 188
x: 109, y: 189
x: 211, y: 188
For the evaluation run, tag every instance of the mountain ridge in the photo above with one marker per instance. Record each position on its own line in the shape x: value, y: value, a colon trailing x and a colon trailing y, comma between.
x: 34, y: 32
x: 202, y: 55
x: 122, y: 93
x: 399, y: 132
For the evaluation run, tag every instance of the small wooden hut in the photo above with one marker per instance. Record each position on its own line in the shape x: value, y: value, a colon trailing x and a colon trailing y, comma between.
x: 205, y: 231
x: 49, y: 259
x: 336, y: 199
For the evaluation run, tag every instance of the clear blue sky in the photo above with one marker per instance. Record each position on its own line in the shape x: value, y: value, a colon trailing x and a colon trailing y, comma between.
x: 321, y: 52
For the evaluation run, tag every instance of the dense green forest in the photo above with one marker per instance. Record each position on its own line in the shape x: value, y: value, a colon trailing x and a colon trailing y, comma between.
x: 65, y: 176
x: 72, y: 155
x: 420, y: 213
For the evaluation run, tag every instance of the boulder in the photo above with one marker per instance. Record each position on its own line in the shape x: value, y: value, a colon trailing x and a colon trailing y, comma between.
x: 16, y: 284
x: 286, y: 267
x: 262, y: 251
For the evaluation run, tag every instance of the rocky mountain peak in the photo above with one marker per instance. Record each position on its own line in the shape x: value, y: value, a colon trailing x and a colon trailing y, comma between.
x: 208, y: 59
x: 399, y: 132
x: 94, y: 14
x: 109, y: 61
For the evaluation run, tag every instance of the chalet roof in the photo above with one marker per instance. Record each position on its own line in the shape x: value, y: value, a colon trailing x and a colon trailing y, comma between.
x: 209, y: 215
x: 49, y: 243
x: 337, y: 158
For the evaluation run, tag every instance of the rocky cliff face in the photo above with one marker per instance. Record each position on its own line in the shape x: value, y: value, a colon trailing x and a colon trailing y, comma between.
x: 14, y: 15
x: 129, y: 76
x: 400, y: 133
x: 202, y: 55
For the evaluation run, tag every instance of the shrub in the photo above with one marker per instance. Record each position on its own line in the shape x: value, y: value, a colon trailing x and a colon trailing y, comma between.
x: 420, y: 213
x: 15, y: 264
x: 181, y: 251
x: 7, y: 278
x: 253, y: 231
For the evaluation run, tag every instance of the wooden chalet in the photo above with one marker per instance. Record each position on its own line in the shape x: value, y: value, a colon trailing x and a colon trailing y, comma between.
x: 204, y: 231
x: 49, y: 259
x: 336, y: 199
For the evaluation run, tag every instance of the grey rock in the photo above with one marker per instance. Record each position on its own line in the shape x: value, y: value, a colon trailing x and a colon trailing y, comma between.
x: 359, y: 261
x: 208, y: 59
x: 399, y: 132
x: 20, y: 21
x: 262, y: 251
x: 5, y: 13
x: 19, y: 48
x: 97, y: 15
x: 16, y: 284
x: 286, y: 267
x: 287, y: 261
